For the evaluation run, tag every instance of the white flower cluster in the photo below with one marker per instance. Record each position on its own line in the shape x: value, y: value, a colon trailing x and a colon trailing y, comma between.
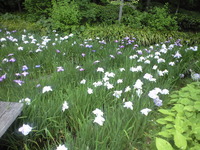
x: 145, y: 111
x: 149, y: 77
x: 117, y: 94
x: 162, y: 73
x: 27, y: 101
x: 25, y: 129
x: 195, y: 48
x: 128, y: 105
x: 61, y: 147
x: 138, y: 86
x: 65, y: 106
x: 154, y: 95
x: 136, y: 69
x: 46, y: 89
x: 99, y: 117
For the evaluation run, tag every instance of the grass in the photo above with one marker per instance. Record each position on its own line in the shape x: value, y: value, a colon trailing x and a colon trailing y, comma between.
x: 123, y: 128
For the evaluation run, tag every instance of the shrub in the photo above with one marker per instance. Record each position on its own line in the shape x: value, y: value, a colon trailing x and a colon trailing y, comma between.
x: 108, y: 14
x: 133, y: 18
x: 144, y: 36
x: 16, y: 22
x: 37, y: 8
x: 181, y: 123
x: 64, y: 14
x: 9, y: 16
x: 89, y: 12
x: 45, y: 24
x: 159, y: 18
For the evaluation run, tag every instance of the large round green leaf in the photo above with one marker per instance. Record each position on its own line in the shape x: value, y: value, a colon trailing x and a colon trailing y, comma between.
x: 180, y: 140
x: 162, y: 144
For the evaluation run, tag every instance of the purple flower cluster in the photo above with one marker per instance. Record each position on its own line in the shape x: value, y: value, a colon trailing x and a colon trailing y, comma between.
x: 3, y: 77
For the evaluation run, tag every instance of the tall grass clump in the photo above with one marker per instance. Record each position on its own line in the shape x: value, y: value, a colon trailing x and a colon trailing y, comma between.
x: 88, y: 93
x: 145, y: 37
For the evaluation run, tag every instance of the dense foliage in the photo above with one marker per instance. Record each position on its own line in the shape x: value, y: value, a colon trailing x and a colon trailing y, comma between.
x: 181, y: 122
x: 159, y: 19
x: 68, y: 15
x: 64, y: 14
x: 37, y: 9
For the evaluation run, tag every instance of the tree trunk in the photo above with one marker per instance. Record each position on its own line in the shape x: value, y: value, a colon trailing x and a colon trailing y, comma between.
x: 19, y: 6
x: 177, y: 8
x: 147, y: 5
x: 120, y: 10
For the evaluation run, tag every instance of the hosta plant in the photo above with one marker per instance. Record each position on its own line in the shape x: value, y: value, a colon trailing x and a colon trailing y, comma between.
x: 181, y: 123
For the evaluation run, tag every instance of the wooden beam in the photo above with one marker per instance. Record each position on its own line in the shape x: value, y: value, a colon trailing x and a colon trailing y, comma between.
x: 8, y: 113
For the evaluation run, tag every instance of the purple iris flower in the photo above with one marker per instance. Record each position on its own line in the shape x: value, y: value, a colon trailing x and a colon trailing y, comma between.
x: 10, y: 54
x: 57, y: 51
x: 89, y: 46
x: 157, y: 102
x: 126, y: 38
x: 24, y: 68
x: 24, y: 73
x: 17, y: 74
x: 12, y: 60
x: 20, y: 82
x: 59, y: 69
x: 139, y: 52
x: 119, y: 53
x: 38, y: 85
x: 37, y: 66
x: 3, y: 76
x: 112, y: 56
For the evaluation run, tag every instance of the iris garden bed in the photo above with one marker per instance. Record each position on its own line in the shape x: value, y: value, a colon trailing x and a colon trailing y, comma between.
x: 88, y: 94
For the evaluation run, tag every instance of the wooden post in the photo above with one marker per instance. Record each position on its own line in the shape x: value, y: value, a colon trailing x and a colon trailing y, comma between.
x: 8, y: 113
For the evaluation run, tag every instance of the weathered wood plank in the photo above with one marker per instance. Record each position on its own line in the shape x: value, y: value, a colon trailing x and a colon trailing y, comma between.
x: 8, y: 113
